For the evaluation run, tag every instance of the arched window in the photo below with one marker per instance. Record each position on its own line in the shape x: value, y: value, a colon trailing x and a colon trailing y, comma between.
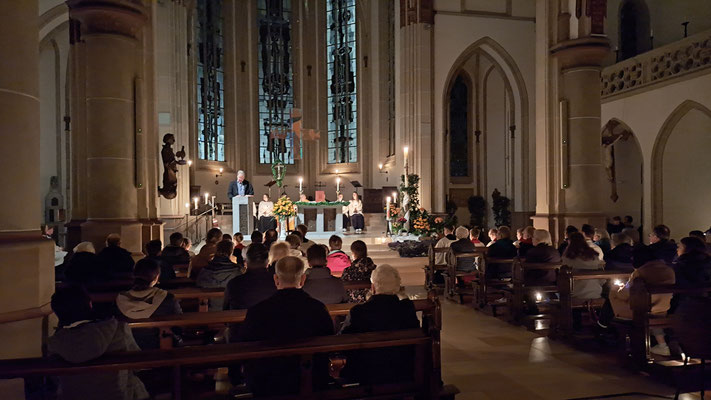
x: 210, y: 81
x: 458, y: 129
x: 634, y: 30
x: 342, y: 103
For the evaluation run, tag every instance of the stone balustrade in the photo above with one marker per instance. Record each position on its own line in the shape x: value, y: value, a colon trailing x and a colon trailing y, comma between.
x: 664, y: 63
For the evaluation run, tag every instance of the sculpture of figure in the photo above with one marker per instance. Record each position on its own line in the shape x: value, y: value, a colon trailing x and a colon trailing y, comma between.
x: 170, y: 165
x: 406, y: 209
x: 609, y: 138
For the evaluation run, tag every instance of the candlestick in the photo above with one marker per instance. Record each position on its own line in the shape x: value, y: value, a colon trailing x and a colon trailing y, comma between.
x: 207, y: 198
x: 387, y: 209
x: 301, y: 182
x: 195, y: 199
x: 395, y: 197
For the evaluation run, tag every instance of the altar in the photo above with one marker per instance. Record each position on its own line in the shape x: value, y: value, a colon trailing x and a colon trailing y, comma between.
x: 322, y: 219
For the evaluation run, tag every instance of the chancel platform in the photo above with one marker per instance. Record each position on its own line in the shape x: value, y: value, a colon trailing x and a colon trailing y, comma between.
x: 322, y: 219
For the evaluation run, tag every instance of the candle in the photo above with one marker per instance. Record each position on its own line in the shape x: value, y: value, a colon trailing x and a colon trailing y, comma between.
x: 387, y: 208
x: 195, y: 199
x: 380, y: 166
x: 394, y: 197
x: 187, y: 205
x: 301, y: 182
x: 338, y: 184
x: 221, y: 169
x: 207, y: 197
x: 190, y: 162
x: 405, y: 150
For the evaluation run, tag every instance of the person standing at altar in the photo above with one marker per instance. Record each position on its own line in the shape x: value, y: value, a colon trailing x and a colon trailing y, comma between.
x: 355, y: 210
x: 265, y: 215
x: 346, y: 218
x: 240, y: 187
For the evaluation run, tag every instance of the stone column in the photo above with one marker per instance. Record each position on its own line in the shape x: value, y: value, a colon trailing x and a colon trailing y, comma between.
x: 26, y: 259
x: 106, y: 42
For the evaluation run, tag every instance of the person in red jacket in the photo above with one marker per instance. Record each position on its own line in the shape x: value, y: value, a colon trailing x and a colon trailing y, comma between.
x: 337, y: 260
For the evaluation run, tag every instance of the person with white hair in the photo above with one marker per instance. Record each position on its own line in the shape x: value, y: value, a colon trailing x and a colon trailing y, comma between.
x: 463, y: 245
x: 541, y: 252
x: 384, y: 311
x: 288, y: 314
x: 83, y: 266
x: 240, y: 187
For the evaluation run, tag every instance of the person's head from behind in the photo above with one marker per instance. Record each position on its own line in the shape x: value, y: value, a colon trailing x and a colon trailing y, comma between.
x: 186, y: 244
x: 238, y: 237
x: 659, y: 233
x: 578, y: 248
x: 71, y: 304
x: 448, y: 229
x: 642, y: 255
x: 289, y: 273
x: 271, y: 236
x: 493, y: 233
x: 632, y: 233
x: 601, y: 235
x: 176, y: 239
x: 214, y: 235
x: 226, y: 236
x: 588, y: 230
x: 528, y: 232
x: 628, y: 220
x: 257, y: 256
x: 385, y: 280
x: 335, y: 242
x: 569, y: 230
x: 616, y: 220
x: 113, y: 240
x: 541, y: 236
x: 294, y: 241
x: 145, y: 273
x: 153, y: 248
x: 256, y: 237
x: 519, y: 233
x: 278, y: 251
x: 698, y: 234
x: 691, y: 245
x: 462, y: 233
x: 303, y: 230
x: 474, y: 233
x: 504, y: 233
x: 316, y: 256
x: 224, y: 248
x: 359, y: 250
x: 621, y: 238
x: 84, y: 247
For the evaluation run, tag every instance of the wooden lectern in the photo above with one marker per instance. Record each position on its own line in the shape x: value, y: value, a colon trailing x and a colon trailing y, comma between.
x: 242, y: 219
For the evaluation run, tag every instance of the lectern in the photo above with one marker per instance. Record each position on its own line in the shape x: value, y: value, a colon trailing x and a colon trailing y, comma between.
x: 242, y: 220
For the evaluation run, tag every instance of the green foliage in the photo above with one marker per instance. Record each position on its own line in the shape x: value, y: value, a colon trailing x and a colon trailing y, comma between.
x: 321, y: 203
x: 477, y: 209
x: 500, y: 207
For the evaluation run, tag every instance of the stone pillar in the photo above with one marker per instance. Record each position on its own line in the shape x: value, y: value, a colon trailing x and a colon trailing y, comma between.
x: 108, y: 132
x: 26, y: 259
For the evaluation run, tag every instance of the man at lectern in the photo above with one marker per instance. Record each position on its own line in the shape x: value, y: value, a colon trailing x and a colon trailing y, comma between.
x: 240, y: 187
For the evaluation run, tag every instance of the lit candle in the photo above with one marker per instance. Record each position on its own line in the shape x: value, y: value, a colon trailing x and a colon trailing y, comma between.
x: 190, y: 162
x: 195, y: 200
x: 338, y: 184
x: 187, y: 205
x: 380, y: 166
x: 387, y: 208
x: 405, y: 150
x: 207, y: 198
x: 221, y: 169
x: 394, y: 197
x: 301, y: 182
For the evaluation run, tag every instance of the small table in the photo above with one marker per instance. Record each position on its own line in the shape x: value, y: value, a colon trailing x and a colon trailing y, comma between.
x: 328, y: 218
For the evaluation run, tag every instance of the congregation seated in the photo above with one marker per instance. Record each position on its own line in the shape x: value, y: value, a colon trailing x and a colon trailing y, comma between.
x: 186, y: 244
x: 270, y: 237
x: 569, y: 230
x: 337, y: 259
x: 288, y: 314
x: 526, y: 242
x: 116, y: 260
x: 653, y: 271
x: 153, y: 252
x: 360, y: 270
x: 463, y: 245
x: 276, y: 253
x: 615, y: 225
x: 238, y: 252
x: 444, y: 243
x: 219, y: 271
x: 661, y: 244
x: 634, y: 235
x: 580, y: 256
x: 493, y: 236
x: 384, y: 311
x: 294, y: 242
x: 701, y: 236
x: 256, y: 237
x: 320, y: 284
x: 602, y: 239
x: 693, y: 265
x: 207, y: 252
x: 305, y: 242
x: 252, y: 287
x: 144, y: 300
x: 174, y: 253
x: 83, y: 266
x: 474, y: 234
x: 504, y: 246
x: 80, y: 338
x: 589, y: 232
x: 542, y: 252
x: 620, y: 257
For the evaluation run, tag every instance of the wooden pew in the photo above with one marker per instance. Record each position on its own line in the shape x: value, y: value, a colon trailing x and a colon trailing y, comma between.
x: 118, y: 285
x: 485, y: 287
x: 202, y: 295
x: 452, y: 288
x: 427, y: 381
x: 563, y: 321
x: 521, y: 289
x: 432, y: 267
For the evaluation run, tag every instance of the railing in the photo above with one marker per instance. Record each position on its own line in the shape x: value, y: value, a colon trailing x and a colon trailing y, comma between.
x: 667, y: 62
x: 28, y: 313
x: 195, y: 227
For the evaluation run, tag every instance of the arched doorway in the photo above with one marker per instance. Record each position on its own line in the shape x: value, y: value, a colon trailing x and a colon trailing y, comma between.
x: 682, y: 170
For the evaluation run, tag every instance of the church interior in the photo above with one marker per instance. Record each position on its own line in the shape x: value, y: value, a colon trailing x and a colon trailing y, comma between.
x: 526, y: 177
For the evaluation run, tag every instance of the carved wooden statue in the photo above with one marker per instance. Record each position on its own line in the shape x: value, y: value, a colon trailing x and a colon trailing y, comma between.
x: 170, y: 165
x: 610, y: 136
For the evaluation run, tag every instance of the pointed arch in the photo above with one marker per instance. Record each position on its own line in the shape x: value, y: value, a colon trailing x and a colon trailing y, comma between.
x: 658, y: 150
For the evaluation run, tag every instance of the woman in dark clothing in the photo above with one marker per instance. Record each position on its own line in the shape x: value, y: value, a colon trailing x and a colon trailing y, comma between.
x: 360, y: 270
x: 693, y: 266
x: 620, y: 257
x: 83, y: 266
x: 502, y: 248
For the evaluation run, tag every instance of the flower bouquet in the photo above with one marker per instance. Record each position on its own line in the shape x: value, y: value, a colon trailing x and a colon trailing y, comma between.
x: 421, y: 225
x: 284, y: 208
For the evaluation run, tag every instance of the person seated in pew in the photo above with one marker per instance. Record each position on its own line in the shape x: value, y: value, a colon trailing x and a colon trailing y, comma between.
x: 186, y: 244
x: 526, y: 242
x: 542, y: 252
x: 493, y: 236
x: 463, y: 245
x: 294, y: 245
x: 207, y: 252
x: 320, y: 284
x: 693, y: 264
x: 602, y: 239
x: 144, y: 300
x: 444, y: 243
x: 288, y: 314
x: 589, y: 232
x: 384, y: 311
x: 503, y: 248
x: 153, y: 252
x: 620, y: 257
x: 219, y: 271
x: 634, y: 235
x: 360, y: 270
x: 569, y: 230
x: 305, y: 242
x: 580, y: 256
x: 701, y: 236
x: 174, y: 254
x: 117, y: 261
x: 474, y: 234
x: 653, y: 271
x: 80, y: 338
x: 83, y: 266
x: 276, y: 253
x: 236, y: 256
x: 256, y: 237
x: 337, y: 259
x: 663, y: 247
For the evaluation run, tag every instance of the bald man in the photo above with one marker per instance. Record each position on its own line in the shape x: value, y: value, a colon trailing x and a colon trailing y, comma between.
x: 240, y: 187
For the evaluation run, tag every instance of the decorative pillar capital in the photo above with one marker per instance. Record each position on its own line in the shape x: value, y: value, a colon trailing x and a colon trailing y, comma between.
x: 587, y: 51
x: 119, y: 17
x: 416, y: 12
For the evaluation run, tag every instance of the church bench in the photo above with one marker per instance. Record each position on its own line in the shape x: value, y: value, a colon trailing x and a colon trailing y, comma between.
x: 355, y: 285
x: 201, y: 295
x: 563, y: 321
x: 521, y: 288
x: 432, y: 267
x: 452, y: 288
x: 487, y: 287
x: 117, y: 285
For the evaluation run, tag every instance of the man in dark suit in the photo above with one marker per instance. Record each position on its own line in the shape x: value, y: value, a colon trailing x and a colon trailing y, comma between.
x: 320, y: 284
x: 114, y: 259
x: 240, y: 187
x: 661, y: 245
x: 384, y: 311
x: 288, y: 314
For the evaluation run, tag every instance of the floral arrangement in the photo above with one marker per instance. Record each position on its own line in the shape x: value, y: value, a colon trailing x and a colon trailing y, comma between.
x: 421, y: 225
x: 322, y: 203
x: 284, y: 208
x: 394, y: 210
x: 398, y: 224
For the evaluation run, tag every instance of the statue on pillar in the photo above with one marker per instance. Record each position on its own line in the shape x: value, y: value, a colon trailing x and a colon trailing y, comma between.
x: 170, y: 167
x: 610, y: 136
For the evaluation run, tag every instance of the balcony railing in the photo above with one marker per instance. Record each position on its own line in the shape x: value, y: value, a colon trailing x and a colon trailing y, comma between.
x: 664, y: 63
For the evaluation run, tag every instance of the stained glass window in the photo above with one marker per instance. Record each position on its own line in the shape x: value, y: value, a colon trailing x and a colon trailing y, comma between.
x: 210, y: 81
x: 342, y: 104
x: 458, y: 129
x: 276, y: 89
